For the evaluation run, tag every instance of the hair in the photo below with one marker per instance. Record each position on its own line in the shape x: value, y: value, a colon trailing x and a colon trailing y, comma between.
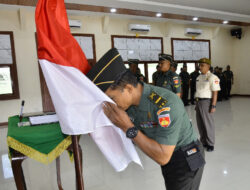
x: 124, y: 78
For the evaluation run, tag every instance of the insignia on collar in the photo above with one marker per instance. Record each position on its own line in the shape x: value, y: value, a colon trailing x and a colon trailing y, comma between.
x: 156, y: 99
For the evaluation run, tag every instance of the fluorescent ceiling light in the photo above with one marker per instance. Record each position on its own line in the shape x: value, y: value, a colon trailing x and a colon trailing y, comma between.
x: 112, y: 10
x: 195, y: 18
x: 158, y: 14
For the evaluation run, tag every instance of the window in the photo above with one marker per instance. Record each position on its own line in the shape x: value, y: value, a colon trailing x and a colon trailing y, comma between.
x: 151, y: 70
x: 190, y: 67
x: 8, y: 72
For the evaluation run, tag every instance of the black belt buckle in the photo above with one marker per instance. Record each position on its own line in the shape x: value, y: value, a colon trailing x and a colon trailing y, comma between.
x: 193, y: 156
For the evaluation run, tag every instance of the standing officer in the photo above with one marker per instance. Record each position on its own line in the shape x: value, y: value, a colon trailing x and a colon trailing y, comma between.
x: 230, y: 80
x: 223, y: 92
x: 174, y: 67
x: 156, y: 74
x: 207, y: 87
x: 185, y: 79
x: 193, y: 78
x: 158, y: 123
x: 167, y: 79
x: 133, y: 67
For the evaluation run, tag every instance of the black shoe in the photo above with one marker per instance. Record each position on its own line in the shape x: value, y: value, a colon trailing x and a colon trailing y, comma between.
x: 210, y: 148
x: 205, y: 146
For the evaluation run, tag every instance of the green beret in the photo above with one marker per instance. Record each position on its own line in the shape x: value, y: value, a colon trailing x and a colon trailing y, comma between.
x: 205, y: 60
x: 105, y: 71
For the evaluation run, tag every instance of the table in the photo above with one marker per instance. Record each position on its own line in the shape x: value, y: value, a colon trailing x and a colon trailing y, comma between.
x: 43, y: 143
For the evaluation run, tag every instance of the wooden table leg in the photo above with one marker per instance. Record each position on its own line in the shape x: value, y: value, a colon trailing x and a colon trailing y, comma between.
x: 58, y: 173
x: 78, y: 165
x: 16, y: 163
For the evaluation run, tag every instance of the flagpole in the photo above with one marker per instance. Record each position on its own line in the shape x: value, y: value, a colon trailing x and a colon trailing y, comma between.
x: 78, y: 162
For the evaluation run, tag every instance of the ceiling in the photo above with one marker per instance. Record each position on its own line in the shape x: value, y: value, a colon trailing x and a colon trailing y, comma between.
x: 235, y: 10
x: 232, y: 10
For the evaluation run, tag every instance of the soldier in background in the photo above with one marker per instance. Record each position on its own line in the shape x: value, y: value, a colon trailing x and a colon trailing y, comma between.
x: 230, y: 80
x: 223, y: 92
x: 156, y: 74
x: 193, y: 78
x: 185, y: 79
x: 167, y: 79
x: 211, y: 69
x: 174, y: 67
x: 133, y: 67
x: 216, y: 71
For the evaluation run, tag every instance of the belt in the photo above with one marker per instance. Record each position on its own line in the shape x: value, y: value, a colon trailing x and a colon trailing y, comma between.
x: 200, y: 99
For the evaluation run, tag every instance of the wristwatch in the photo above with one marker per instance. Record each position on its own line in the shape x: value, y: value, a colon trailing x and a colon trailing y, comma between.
x: 132, y: 132
x: 213, y: 106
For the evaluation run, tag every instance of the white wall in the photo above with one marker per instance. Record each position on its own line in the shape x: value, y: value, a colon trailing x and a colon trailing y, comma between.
x: 27, y: 66
x: 241, y: 60
x: 29, y: 84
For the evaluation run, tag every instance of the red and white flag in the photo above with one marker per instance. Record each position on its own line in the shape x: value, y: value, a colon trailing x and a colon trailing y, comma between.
x: 77, y: 101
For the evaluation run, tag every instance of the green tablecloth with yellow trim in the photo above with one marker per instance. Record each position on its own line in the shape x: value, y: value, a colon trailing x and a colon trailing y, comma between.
x: 43, y: 143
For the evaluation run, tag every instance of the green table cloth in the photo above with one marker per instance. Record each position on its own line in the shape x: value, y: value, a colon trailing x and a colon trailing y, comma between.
x: 43, y: 143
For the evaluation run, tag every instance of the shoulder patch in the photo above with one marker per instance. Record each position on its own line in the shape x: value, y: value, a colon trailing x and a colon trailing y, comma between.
x: 176, y: 81
x: 162, y: 110
x: 164, y: 120
x: 157, y: 100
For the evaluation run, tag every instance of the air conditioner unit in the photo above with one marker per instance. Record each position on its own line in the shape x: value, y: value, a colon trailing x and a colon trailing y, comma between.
x: 75, y: 23
x: 139, y: 27
x: 193, y: 31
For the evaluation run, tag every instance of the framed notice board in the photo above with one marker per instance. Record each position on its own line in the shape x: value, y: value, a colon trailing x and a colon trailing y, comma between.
x: 188, y: 50
x: 8, y: 72
x: 146, y: 49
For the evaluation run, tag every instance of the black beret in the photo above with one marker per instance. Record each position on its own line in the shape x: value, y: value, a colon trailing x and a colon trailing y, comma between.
x: 104, y: 72
x: 163, y: 56
x: 133, y: 61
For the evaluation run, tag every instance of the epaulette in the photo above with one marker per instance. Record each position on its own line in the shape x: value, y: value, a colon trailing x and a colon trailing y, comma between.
x: 157, y: 99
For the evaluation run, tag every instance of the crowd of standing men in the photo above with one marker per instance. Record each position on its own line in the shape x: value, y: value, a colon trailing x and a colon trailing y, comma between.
x: 188, y: 81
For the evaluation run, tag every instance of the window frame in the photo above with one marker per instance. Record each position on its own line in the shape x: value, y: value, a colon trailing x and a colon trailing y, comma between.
x: 13, y: 70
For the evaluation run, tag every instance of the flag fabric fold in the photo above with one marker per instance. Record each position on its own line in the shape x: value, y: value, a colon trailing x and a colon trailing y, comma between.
x: 77, y: 100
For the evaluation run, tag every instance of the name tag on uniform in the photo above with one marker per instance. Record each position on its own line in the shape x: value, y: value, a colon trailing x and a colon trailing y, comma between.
x: 191, y: 151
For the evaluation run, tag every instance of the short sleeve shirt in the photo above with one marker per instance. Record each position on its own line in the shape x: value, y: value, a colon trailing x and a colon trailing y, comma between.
x: 170, y: 81
x: 206, y: 84
x: 161, y: 116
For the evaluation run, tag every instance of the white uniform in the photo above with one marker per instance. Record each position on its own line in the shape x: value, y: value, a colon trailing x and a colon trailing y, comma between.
x: 206, y: 84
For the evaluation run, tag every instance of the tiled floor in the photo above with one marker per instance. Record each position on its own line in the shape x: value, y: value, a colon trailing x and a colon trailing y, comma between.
x: 227, y: 168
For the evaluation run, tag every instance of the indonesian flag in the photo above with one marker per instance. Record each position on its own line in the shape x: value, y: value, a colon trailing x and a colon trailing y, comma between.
x: 78, y: 101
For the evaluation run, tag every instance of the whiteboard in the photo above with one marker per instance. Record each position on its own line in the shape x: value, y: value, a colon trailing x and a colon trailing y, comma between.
x: 144, y: 49
x: 86, y: 44
x: 190, y: 50
x: 5, y: 49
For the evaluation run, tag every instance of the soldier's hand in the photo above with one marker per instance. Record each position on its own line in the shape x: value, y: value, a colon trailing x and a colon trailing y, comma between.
x: 212, y: 110
x: 117, y: 116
